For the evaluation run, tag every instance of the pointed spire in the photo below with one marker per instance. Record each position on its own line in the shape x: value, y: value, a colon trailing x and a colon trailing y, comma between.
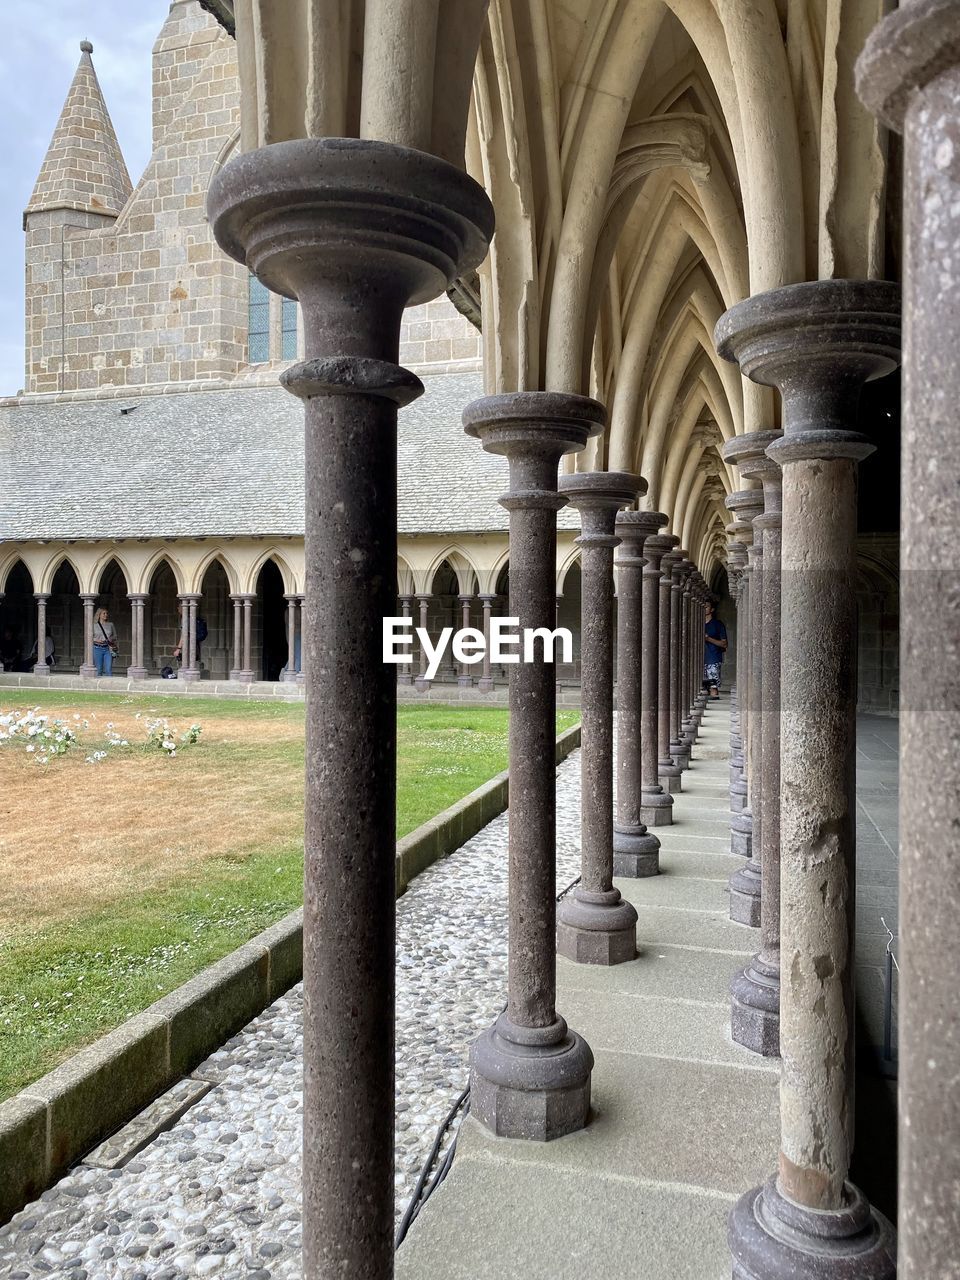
x: 84, y: 166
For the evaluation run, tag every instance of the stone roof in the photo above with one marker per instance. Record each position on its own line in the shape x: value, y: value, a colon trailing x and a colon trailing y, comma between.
x: 84, y: 167
x: 225, y: 463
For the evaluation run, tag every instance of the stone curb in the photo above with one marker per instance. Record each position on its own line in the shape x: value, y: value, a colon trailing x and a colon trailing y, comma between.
x: 54, y: 1122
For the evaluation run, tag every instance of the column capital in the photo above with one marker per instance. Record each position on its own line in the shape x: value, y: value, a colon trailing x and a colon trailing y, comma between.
x: 633, y: 529
x: 138, y: 597
x: 748, y: 453
x: 598, y: 496
x: 41, y: 597
x: 90, y: 597
x: 817, y: 343
x: 668, y: 564
x: 486, y: 599
x: 655, y: 548
x: 905, y: 52
x: 465, y: 598
x: 290, y: 596
x: 190, y: 597
x: 533, y: 430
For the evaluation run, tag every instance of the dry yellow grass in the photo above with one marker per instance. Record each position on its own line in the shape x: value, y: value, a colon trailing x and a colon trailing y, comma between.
x: 74, y: 836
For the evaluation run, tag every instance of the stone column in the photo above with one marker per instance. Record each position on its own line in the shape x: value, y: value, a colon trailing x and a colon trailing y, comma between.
x: 485, y: 683
x: 636, y: 851
x: 421, y: 682
x: 595, y: 924
x: 679, y: 749
x: 667, y: 771
x: 356, y: 231
x: 530, y: 1075
x: 744, y: 819
x: 909, y: 75
x: 688, y: 608
x: 816, y: 343
x: 755, y: 992
x: 235, y: 672
x: 137, y: 669
x: 464, y: 676
x: 290, y: 675
x: 405, y: 672
x: 736, y: 563
x: 189, y: 669
x: 302, y: 669
x: 89, y: 668
x: 247, y: 672
x: 657, y: 800
x: 40, y: 667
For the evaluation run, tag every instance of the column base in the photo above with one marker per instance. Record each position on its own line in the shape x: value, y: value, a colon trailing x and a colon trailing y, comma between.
x: 530, y: 1082
x: 133, y: 673
x: 680, y: 754
x: 405, y: 679
x: 670, y: 777
x: 636, y: 853
x: 596, y: 928
x: 755, y: 1007
x: 422, y: 686
x: 243, y: 676
x: 464, y: 682
x: 741, y: 834
x: 772, y: 1238
x: 88, y: 673
x: 41, y: 669
x: 288, y: 677
x: 656, y: 808
x: 745, y: 895
x: 739, y: 799
x: 186, y: 673
x: 485, y: 684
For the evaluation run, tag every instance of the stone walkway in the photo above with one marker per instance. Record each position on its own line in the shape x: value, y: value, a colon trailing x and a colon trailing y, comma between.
x: 218, y: 1194
x: 685, y: 1119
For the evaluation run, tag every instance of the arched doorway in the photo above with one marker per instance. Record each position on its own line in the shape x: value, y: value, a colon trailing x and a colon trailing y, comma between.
x: 568, y: 615
x: 18, y: 619
x: 216, y: 609
x: 269, y: 623
x: 65, y: 619
x: 444, y: 611
x: 161, y: 628
x: 112, y: 595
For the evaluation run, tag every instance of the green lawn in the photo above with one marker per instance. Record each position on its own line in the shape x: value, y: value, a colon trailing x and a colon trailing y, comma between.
x: 122, y: 879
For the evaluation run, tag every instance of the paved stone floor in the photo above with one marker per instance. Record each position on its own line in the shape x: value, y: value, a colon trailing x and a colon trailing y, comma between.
x: 684, y: 1118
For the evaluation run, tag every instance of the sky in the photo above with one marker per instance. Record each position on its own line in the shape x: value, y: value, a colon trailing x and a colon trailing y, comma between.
x: 38, y: 57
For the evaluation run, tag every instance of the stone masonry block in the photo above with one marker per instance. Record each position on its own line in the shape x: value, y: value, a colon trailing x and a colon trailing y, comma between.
x: 23, y: 1153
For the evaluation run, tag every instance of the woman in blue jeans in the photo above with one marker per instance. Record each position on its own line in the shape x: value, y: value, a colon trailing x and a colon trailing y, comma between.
x: 104, y: 642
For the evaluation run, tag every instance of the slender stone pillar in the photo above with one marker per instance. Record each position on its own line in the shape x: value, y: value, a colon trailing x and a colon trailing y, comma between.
x: 736, y: 564
x: 421, y: 682
x: 636, y: 851
x: 679, y: 630
x: 657, y: 800
x: 485, y: 683
x: 465, y: 676
x: 189, y: 669
x: 755, y: 992
x: 290, y: 675
x: 137, y: 669
x: 530, y: 1075
x: 405, y: 671
x: 744, y: 821
x: 909, y: 75
x: 302, y: 669
x: 595, y: 924
x: 40, y: 667
x: 817, y: 343
x: 356, y: 231
x: 88, y: 668
x: 688, y: 608
x: 237, y: 638
x: 668, y: 772
x: 247, y: 672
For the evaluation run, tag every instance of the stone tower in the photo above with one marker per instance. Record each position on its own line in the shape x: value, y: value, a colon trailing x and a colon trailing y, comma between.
x: 126, y: 288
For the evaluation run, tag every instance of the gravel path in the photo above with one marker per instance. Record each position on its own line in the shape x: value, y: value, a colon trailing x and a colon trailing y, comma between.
x: 218, y: 1194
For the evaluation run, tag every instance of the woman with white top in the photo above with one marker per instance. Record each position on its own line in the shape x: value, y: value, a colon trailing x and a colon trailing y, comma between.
x: 104, y: 642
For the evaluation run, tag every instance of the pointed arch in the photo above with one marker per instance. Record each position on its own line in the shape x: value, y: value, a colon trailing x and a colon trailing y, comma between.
x: 46, y: 576
x: 286, y: 572
x: 149, y: 572
x: 215, y: 555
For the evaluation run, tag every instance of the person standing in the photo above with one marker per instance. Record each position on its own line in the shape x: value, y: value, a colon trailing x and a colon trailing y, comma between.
x: 104, y: 643
x: 715, y: 646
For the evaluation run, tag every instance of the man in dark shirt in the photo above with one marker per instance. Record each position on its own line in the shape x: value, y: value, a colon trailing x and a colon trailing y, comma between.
x: 715, y: 644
